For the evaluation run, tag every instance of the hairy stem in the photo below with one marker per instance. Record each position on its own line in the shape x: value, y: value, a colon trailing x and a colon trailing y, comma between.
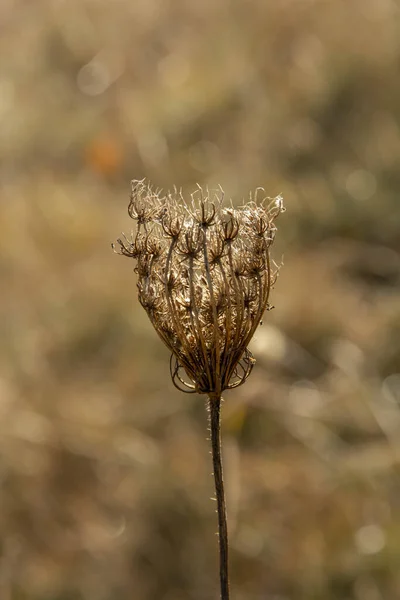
x: 215, y: 427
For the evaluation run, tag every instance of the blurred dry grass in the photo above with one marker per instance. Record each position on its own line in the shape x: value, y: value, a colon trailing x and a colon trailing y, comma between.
x: 105, y: 471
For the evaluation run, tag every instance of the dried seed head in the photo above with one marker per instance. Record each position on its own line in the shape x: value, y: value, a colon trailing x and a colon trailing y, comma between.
x: 204, y: 279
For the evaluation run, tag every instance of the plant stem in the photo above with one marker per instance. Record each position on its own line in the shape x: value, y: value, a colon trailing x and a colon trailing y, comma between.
x: 215, y: 427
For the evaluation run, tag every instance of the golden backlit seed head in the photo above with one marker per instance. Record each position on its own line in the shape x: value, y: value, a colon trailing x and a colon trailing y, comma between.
x: 204, y: 279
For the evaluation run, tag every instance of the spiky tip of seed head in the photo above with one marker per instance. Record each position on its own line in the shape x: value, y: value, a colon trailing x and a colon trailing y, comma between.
x: 204, y: 279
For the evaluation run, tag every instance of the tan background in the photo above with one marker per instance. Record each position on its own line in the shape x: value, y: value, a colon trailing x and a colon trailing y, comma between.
x: 105, y: 470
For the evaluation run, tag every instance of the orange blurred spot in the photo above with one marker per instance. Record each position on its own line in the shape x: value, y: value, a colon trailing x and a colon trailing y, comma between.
x: 104, y: 155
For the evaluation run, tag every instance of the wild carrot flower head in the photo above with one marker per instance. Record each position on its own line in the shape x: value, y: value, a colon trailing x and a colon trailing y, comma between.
x: 204, y: 278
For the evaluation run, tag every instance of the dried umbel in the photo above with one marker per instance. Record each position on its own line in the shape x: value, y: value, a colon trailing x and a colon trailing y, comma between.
x: 204, y: 279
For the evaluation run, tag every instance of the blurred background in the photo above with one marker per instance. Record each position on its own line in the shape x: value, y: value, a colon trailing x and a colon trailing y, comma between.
x: 105, y: 468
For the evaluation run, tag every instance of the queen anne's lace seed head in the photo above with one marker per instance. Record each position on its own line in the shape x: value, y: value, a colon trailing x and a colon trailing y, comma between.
x: 204, y: 279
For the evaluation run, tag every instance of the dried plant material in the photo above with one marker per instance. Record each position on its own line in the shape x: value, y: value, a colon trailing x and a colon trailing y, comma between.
x: 204, y: 279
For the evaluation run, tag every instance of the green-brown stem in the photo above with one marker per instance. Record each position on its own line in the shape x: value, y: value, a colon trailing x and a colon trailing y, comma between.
x: 215, y: 428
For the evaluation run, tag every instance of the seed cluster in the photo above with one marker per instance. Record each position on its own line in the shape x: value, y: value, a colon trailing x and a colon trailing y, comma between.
x: 204, y: 279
